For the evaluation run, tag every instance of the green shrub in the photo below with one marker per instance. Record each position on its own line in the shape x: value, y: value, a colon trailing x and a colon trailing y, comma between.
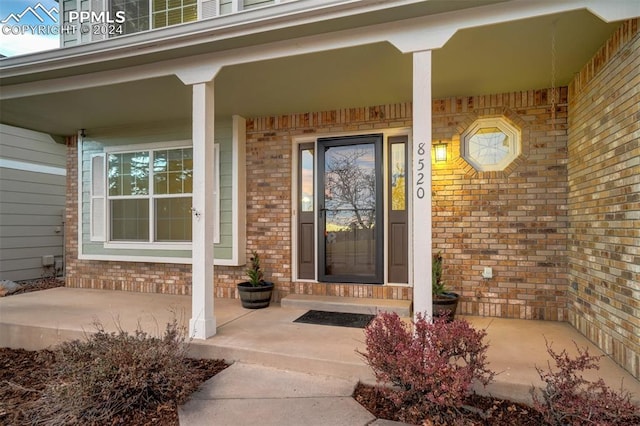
x: 108, y: 375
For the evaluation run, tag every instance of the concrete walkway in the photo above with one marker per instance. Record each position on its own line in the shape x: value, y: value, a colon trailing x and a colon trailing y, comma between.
x: 246, y: 394
x: 280, y: 366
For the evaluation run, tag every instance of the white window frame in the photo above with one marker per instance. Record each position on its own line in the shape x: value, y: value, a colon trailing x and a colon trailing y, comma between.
x: 163, y: 245
x: 502, y: 124
x: 181, y: 8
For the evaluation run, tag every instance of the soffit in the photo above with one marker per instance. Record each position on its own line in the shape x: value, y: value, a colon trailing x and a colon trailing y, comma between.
x: 478, y: 61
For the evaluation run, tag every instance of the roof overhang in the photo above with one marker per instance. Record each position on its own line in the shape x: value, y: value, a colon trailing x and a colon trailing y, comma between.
x: 306, y: 61
x: 255, y: 27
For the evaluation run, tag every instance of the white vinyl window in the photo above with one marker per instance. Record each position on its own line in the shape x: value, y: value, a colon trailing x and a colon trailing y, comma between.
x: 145, y: 196
x: 136, y: 12
x: 172, y: 12
x: 149, y: 195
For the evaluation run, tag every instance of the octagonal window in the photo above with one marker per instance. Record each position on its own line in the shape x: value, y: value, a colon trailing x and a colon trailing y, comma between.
x: 491, y: 144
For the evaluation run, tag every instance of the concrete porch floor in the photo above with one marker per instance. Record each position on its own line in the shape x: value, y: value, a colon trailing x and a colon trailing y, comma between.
x: 270, y: 337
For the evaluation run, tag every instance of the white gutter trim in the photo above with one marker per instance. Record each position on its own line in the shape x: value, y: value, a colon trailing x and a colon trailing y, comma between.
x: 182, y: 66
x: 236, y: 25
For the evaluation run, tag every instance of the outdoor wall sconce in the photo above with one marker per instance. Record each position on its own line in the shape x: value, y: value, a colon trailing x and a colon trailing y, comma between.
x: 440, y: 152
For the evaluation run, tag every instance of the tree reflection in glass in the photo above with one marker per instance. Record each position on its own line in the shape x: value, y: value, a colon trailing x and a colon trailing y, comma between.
x: 350, y: 203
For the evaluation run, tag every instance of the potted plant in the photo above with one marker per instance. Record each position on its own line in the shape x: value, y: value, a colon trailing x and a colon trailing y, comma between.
x: 255, y: 293
x: 444, y: 302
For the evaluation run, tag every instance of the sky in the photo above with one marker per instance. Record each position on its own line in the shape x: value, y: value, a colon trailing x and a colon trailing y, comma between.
x: 19, y: 34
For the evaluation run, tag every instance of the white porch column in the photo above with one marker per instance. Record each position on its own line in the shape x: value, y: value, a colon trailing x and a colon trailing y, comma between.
x: 203, y: 322
x: 421, y: 197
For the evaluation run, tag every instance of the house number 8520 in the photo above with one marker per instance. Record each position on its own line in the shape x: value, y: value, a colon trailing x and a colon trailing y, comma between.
x: 420, y: 168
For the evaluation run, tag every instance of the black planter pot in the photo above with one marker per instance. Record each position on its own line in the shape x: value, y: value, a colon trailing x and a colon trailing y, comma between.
x: 255, y: 297
x: 445, y: 305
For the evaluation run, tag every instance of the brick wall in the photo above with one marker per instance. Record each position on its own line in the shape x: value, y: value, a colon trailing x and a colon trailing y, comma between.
x: 513, y: 221
x: 604, y: 198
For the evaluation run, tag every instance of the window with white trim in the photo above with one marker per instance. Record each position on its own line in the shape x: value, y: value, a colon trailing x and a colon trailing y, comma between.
x: 141, y: 15
x: 149, y: 195
x: 137, y: 16
x: 491, y: 144
x: 172, y: 12
x: 145, y: 196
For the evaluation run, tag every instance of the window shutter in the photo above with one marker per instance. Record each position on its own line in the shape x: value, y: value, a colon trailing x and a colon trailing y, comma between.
x: 209, y: 9
x: 69, y: 38
x: 216, y: 193
x: 98, y: 29
x: 98, y: 198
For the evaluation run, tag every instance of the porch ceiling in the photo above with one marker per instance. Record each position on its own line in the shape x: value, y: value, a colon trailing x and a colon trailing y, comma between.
x: 483, y: 60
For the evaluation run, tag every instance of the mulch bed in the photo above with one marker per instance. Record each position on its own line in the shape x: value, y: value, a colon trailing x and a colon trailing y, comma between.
x: 23, y: 377
x: 39, y: 284
x: 478, y: 410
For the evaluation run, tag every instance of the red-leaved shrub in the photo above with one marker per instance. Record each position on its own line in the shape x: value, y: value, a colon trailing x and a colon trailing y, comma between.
x: 428, y: 363
x: 569, y: 399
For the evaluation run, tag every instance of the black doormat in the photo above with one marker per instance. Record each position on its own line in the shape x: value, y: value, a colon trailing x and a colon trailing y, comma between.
x: 338, y: 319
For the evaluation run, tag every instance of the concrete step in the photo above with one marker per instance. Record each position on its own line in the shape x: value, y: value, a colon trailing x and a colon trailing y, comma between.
x: 301, y: 362
x: 354, y: 305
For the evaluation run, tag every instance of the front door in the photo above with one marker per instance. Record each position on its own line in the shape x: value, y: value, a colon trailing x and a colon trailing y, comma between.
x: 350, y: 210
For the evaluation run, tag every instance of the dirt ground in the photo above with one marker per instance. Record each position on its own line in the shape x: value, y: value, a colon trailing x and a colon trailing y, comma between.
x: 39, y: 284
x: 478, y: 410
x: 23, y: 377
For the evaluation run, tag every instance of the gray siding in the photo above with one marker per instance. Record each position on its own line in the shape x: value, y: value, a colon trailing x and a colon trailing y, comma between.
x: 32, y: 198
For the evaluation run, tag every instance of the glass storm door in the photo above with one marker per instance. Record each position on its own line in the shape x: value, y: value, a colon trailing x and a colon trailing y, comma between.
x: 350, y: 209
